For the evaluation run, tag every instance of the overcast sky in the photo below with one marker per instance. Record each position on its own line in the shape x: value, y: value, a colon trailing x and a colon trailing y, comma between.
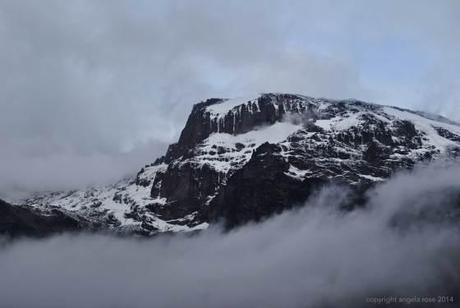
x: 92, y: 90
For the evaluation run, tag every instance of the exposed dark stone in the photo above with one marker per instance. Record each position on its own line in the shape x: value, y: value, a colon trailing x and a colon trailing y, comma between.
x: 447, y: 134
x: 187, y: 188
x: 375, y: 153
x: 260, y: 189
x: 239, y: 146
x: 142, y: 181
x: 24, y: 221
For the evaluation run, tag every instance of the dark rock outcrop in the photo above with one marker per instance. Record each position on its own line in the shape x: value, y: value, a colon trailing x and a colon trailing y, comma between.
x: 187, y: 186
x: 260, y: 189
x: 24, y: 221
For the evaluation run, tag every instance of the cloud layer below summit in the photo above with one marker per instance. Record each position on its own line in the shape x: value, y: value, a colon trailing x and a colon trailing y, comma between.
x: 311, y: 256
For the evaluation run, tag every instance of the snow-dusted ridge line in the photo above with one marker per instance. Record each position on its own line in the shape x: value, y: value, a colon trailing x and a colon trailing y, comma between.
x: 227, y: 104
x: 426, y: 115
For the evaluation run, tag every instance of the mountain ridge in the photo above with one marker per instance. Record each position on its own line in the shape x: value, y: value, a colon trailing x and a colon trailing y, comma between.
x: 245, y: 159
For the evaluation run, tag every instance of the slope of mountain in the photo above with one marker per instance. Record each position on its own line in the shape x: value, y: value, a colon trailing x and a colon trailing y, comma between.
x: 25, y: 221
x: 244, y: 159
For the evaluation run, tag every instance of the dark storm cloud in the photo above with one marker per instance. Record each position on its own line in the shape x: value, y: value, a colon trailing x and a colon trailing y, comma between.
x: 86, y: 79
x: 305, y: 258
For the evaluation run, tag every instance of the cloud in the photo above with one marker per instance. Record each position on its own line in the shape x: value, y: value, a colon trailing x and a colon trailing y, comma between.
x: 98, y: 78
x: 68, y: 170
x: 313, y: 256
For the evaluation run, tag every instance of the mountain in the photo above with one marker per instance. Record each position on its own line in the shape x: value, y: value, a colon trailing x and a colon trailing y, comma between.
x: 241, y: 160
x: 25, y: 221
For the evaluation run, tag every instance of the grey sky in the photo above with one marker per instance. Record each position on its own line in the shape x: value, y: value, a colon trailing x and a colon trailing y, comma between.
x: 90, y: 90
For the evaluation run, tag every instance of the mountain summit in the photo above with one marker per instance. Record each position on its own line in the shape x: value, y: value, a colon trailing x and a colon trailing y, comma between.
x: 242, y: 160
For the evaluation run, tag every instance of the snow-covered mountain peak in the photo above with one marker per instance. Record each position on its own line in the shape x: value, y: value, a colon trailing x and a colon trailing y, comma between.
x: 245, y: 158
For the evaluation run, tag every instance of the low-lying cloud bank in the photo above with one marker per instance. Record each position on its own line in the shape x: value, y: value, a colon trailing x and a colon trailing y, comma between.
x: 405, y: 242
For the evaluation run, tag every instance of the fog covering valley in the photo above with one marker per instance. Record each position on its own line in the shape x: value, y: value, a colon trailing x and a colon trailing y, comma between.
x: 404, y: 241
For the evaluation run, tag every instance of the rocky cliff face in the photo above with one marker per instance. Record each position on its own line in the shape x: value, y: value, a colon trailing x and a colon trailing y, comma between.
x: 244, y: 159
x: 25, y: 221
